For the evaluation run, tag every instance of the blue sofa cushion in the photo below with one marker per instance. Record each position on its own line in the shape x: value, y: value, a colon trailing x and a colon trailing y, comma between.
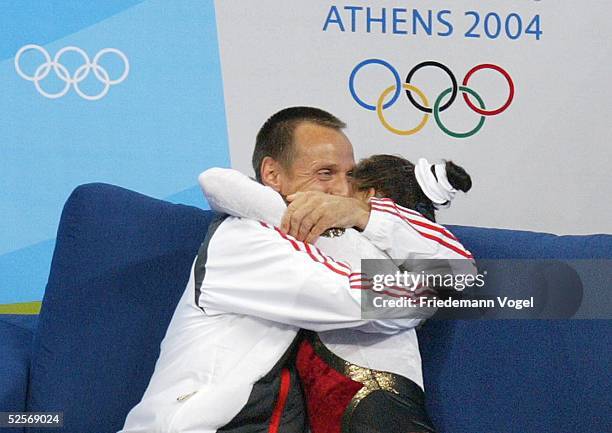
x: 16, y: 348
x: 14, y: 366
x: 25, y: 321
x: 517, y: 376
x: 120, y: 265
x: 488, y: 243
x: 521, y: 376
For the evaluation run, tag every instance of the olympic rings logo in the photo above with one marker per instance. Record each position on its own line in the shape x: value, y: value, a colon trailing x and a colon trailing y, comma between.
x: 80, y: 74
x: 440, y: 103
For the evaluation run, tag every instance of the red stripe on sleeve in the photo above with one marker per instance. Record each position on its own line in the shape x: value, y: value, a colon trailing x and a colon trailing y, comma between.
x: 425, y: 223
x: 302, y: 247
x: 388, y: 201
x: 442, y: 242
x: 341, y: 264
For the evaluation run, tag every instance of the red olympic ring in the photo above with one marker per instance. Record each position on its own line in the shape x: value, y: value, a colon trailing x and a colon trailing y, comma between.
x: 506, y: 76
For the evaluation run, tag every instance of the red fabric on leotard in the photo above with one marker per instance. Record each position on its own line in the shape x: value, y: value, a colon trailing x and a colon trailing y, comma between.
x: 327, y: 391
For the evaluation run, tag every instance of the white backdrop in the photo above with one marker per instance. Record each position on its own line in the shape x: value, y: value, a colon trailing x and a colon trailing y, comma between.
x: 542, y: 164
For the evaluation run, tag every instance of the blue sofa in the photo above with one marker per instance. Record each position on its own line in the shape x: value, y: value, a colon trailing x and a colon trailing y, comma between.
x: 121, y: 263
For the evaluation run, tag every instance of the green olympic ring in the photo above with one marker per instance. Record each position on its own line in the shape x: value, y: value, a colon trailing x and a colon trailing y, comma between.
x: 436, y: 112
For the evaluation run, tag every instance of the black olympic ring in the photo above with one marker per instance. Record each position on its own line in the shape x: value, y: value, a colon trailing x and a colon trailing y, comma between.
x: 455, y: 87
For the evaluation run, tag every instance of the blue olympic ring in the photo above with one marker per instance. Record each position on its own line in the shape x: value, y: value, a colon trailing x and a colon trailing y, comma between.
x: 398, y: 83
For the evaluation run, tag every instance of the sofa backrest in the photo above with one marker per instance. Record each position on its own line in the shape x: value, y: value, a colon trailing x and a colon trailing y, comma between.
x: 120, y: 265
x: 491, y: 243
x: 522, y: 376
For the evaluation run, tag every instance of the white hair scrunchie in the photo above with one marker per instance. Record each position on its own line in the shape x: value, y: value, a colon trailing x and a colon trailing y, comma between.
x: 439, y: 190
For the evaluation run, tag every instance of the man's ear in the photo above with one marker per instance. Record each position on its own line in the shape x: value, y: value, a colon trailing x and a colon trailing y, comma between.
x: 271, y: 173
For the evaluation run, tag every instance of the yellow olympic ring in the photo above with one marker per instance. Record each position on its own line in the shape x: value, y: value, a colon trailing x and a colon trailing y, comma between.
x: 381, y: 117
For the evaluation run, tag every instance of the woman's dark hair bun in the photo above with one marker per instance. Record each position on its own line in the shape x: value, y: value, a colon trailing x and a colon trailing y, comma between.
x: 458, y: 177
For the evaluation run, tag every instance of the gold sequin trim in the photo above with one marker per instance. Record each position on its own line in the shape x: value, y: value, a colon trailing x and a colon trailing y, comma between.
x: 372, y: 380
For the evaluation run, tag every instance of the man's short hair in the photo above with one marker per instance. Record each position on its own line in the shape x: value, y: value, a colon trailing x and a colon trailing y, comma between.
x: 275, y: 138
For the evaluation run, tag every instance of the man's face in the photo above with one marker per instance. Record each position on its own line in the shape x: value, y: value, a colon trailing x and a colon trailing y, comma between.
x: 322, y: 161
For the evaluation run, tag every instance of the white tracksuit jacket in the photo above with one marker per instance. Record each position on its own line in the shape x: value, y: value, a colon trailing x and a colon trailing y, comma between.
x: 260, y: 286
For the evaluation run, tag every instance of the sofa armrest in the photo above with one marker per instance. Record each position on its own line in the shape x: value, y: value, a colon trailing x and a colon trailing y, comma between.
x: 16, y: 344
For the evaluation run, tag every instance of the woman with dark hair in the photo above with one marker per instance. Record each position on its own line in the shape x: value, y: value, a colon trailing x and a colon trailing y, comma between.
x: 425, y: 187
x: 364, y: 380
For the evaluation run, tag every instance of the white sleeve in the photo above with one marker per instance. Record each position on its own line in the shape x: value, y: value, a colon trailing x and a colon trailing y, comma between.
x: 255, y: 269
x: 407, y: 236
x: 229, y: 191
